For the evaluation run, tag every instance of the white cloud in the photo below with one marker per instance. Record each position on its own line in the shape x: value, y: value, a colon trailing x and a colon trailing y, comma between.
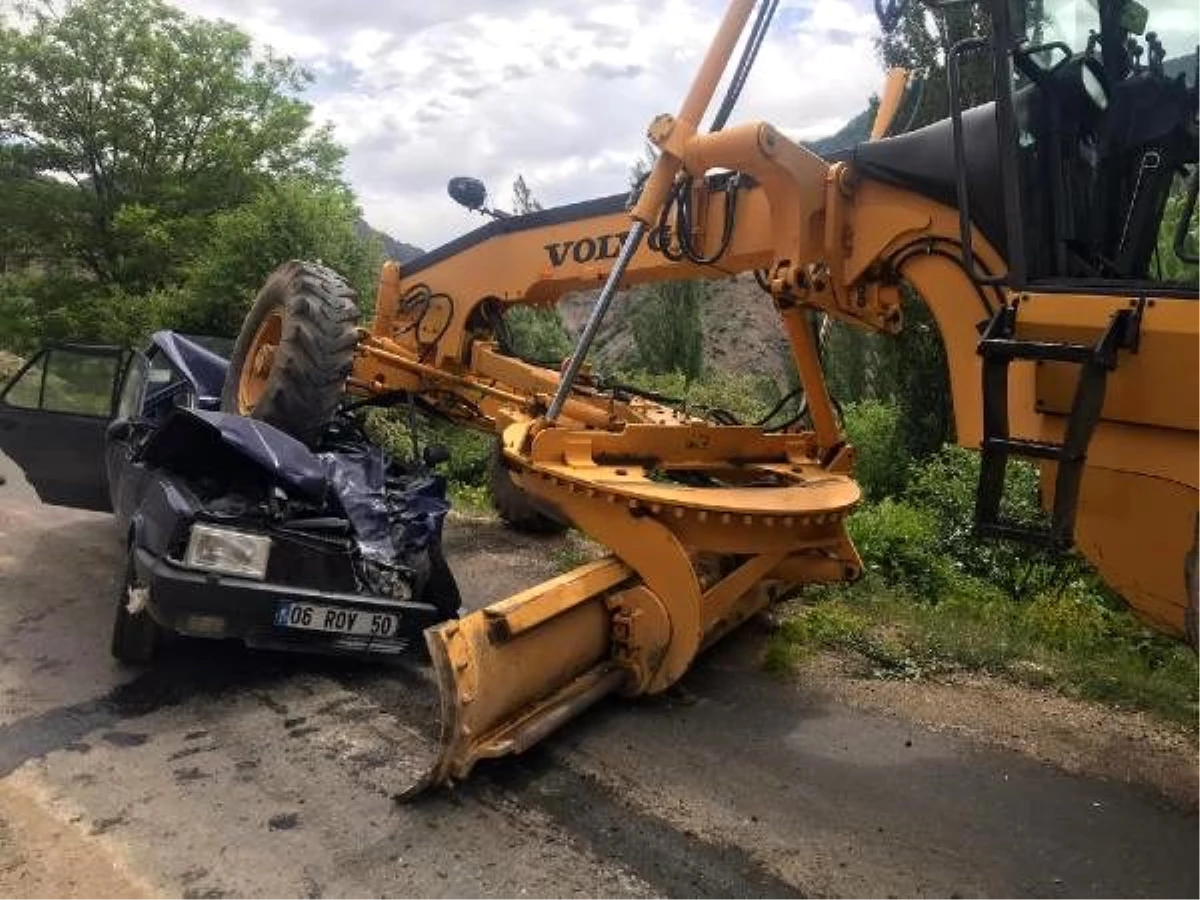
x: 556, y: 90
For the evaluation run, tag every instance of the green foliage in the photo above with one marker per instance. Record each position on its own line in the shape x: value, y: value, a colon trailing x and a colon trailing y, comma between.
x: 470, y: 451
x: 917, y: 47
x: 881, y: 457
x: 466, y: 470
x: 536, y: 333
x: 907, y: 370
x: 945, y: 484
x: 920, y: 534
x: 667, y: 329
x: 1067, y: 642
x: 747, y: 396
x: 291, y: 219
x: 153, y: 168
x: 898, y: 543
x: 471, y: 499
x: 34, y: 309
x: 154, y: 119
x: 1169, y: 266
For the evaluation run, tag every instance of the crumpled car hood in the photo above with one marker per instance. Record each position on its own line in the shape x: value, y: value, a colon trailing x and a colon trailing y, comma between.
x: 195, y: 438
x: 241, y: 451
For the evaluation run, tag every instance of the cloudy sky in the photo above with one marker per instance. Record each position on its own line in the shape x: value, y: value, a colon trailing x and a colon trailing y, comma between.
x: 558, y: 90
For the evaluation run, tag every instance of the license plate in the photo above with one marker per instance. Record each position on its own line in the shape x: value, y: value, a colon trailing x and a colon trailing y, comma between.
x: 314, y: 617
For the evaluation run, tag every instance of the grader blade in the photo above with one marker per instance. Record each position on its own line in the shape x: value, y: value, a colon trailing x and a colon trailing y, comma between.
x: 688, y: 566
x: 511, y: 673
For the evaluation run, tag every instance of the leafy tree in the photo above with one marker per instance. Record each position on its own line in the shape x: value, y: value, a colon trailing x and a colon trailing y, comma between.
x: 153, y: 169
x: 523, y: 199
x: 535, y: 333
x: 667, y: 331
x: 146, y: 122
x: 288, y: 220
x: 908, y: 371
x: 919, y: 43
x: 1168, y: 266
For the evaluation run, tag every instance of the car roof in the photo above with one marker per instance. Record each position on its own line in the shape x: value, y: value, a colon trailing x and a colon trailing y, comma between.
x: 203, y: 368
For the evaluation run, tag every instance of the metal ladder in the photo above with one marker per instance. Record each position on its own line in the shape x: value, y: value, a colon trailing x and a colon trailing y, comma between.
x: 998, y: 346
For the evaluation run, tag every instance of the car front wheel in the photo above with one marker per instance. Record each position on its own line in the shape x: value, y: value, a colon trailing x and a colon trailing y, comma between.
x: 135, y: 636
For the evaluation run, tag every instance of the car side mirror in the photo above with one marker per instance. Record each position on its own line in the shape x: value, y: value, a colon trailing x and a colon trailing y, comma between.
x: 434, y: 455
x: 118, y: 430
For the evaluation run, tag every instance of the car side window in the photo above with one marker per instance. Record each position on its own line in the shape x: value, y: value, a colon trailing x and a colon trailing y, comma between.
x: 161, y: 376
x: 67, y: 380
x: 130, y: 404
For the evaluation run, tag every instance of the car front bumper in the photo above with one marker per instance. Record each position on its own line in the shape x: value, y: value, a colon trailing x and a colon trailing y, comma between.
x: 203, y: 604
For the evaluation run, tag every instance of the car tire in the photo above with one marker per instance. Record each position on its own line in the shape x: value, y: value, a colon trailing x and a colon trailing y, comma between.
x: 295, y: 350
x: 136, y: 637
x: 441, y: 588
x: 515, y: 508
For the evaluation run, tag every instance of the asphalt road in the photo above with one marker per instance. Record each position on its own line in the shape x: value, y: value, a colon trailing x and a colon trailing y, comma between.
x: 225, y: 772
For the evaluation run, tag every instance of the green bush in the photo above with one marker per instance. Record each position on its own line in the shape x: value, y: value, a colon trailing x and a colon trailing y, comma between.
x: 898, y: 543
x: 1068, y: 620
x: 944, y: 485
x: 536, y: 333
x: 881, y: 458
x: 667, y: 328
x: 1066, y: 641
x: 825, y: 626
x: 470, y: 450
x: 746, y: 396
x: 55, y: 307
x: 907, y: 371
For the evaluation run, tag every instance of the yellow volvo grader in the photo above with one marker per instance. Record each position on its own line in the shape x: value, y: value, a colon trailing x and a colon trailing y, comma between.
x: 1029, y: 226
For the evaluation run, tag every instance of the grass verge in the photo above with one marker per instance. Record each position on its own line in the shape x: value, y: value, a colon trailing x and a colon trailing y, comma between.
x: 1064, y: 642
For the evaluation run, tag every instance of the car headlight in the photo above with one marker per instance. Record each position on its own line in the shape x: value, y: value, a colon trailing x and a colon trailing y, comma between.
x: 229, y: 552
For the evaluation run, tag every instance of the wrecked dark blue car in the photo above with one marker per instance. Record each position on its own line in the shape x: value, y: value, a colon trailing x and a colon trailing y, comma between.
x: 233, y: 528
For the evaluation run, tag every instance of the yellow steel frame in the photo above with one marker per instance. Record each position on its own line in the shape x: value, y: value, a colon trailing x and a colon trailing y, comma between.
x: 687, y: 564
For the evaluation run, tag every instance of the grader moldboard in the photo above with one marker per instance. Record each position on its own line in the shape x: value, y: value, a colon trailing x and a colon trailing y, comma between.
x: 1028, y: 225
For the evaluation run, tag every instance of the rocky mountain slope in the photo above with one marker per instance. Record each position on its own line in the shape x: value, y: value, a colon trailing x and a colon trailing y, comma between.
x: 741, y: 329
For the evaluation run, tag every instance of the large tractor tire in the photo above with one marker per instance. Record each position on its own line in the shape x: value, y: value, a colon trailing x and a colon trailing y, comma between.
x: 516, y: 508
x: 295, y: 349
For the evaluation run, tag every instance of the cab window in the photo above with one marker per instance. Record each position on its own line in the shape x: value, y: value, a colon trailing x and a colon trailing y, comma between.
x: 67, y: 380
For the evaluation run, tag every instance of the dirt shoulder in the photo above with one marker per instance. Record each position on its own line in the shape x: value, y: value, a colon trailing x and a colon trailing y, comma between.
x: 42, y: 856
x: 1077, y: 736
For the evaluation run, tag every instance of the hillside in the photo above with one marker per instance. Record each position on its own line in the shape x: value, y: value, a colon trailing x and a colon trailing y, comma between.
x: 392, y: 248
x: 741, y: 329
x: 1181, y: 65
x: 854, y: 132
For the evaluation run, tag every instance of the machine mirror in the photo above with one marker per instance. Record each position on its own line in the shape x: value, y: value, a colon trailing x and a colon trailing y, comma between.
x: 468, y: 192
x: 1134, y: 17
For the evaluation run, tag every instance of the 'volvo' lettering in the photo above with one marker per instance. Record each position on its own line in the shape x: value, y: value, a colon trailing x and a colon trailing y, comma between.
x: 601, y: 246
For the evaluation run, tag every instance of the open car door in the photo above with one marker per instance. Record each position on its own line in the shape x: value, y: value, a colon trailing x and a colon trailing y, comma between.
x: 53, y: 416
